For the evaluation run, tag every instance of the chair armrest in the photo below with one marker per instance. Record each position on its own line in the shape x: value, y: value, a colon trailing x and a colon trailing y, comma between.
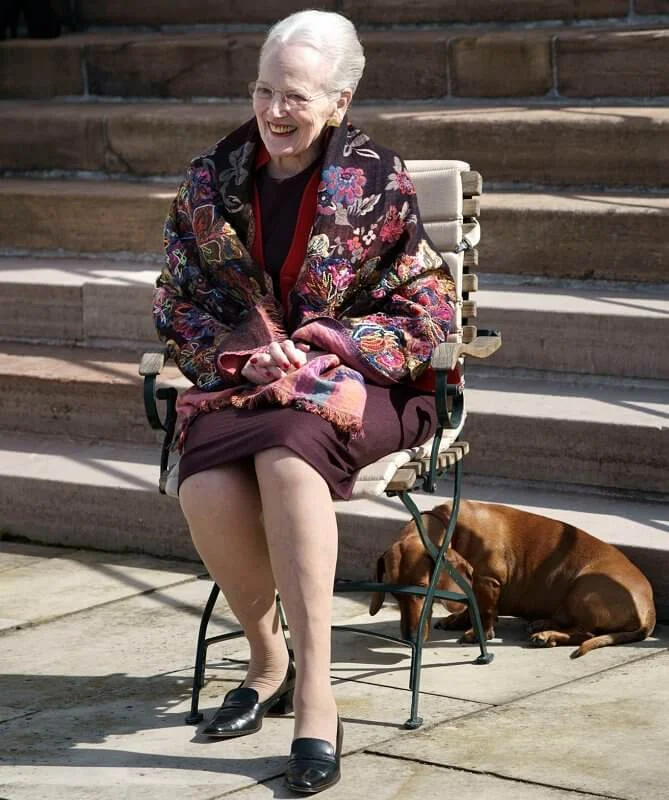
x: 150, y: 366
x: 446, y: 354
x: 449, y: 397
x: 152, y: 363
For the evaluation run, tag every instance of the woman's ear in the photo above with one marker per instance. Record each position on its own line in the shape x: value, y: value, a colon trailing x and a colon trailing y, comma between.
x: 343, y: 102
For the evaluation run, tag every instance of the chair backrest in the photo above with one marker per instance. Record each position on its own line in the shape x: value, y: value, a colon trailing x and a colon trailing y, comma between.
x: 446, y: 192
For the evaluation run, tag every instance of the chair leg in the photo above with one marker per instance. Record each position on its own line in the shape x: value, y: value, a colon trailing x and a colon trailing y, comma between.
x: 284, y: 626
x: 195, y: 715
x: 440, y: 562
x: 282, y: 615
x: 485, y: 657
x: 414, y: 720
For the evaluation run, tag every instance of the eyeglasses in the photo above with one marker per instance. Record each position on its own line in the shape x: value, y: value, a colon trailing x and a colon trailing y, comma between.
x: 265, y: 94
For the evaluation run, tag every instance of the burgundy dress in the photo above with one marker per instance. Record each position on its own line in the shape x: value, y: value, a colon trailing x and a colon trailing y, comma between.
x: 395, y: 417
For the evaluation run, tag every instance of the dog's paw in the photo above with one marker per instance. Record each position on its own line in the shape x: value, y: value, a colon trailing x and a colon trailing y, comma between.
x: 470, y: 637
x: 453, y: 622
x: 543, y: 639
x: 539, y: 625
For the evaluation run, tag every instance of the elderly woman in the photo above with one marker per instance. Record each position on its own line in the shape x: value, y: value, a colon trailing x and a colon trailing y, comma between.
x: 303, y: 300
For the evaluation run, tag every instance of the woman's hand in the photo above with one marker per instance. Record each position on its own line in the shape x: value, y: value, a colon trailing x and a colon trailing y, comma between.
x: 279, y: 359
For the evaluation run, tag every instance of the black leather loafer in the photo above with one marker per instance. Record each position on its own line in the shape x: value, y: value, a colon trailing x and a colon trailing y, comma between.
x: 314, y: 764
x: 241, y: 714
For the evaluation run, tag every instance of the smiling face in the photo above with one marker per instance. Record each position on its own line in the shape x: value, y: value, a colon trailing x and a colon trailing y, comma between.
x: 292, y: 136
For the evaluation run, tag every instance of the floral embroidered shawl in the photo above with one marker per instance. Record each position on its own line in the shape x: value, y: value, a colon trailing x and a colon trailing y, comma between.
x: 373, y: 294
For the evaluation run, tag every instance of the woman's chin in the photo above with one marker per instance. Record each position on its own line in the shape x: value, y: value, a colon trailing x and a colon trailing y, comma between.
x: 281, y: 144
x: 280, y: 149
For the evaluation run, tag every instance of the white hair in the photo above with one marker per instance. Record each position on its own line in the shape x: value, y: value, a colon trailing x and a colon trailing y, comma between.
x: 331, y: 34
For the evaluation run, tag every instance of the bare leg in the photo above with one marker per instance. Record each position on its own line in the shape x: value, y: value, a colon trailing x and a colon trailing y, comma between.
x: 222, y: 508
x: 301, y: 532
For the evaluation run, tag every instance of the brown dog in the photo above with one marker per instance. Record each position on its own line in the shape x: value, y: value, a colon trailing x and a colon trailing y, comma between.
x: 575, y: 589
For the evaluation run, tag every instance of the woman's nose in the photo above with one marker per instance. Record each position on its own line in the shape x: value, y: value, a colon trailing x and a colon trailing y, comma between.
x: 276, y: 104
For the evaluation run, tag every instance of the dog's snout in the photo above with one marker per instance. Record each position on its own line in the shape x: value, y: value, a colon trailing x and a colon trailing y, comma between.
x: 410, y: 614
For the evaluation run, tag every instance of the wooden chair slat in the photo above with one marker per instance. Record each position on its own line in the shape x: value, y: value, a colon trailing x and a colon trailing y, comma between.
x: 403, y: 480
x: 469, y: 309
x: 456, y: 452
x: 472, y: 183
x: 461, y: 449
x: 446, y: 459
x: 468, y: 333
x: 471, y: 207
x: 471, y: 258
x: 470, y: 282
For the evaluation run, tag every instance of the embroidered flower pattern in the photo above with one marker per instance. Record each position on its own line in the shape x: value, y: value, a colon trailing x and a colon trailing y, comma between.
x: 399, y: 179
x: 355, y: 139
x: 325, y: 204
x: 319, y: 245
x: 238, y: 170
x: 329, y: 280
x: 380, y: 344
x: 356, y: 248
x: 393, y: 226
x: 368, y: 236
x: 343, y: 184
x: 199, y: 186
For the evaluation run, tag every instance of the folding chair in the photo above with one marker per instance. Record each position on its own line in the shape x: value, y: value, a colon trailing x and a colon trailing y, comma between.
x: 449, y: 199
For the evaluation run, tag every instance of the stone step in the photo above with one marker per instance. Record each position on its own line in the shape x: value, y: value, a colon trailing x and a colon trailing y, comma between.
x: 568, y: 428
x: 447, y: 62
x: 591, y: 330
x: 87, y: 494
x: 384, y: 12
x: 72, y: 216
x: 84, y: 393
x: 78, y: 301
x: 613, y: 236
x: 550, y: 145
x: 609, y: 236
x: 568, y: 327
x: 558, y: 428
x: 103, y: 496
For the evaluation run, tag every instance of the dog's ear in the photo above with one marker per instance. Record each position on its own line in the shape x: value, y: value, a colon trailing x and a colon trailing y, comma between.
x: 378, y: 597
x: 435, y: 528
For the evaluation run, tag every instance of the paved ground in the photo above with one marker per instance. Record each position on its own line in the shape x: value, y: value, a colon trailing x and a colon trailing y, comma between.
x: 96, y: 653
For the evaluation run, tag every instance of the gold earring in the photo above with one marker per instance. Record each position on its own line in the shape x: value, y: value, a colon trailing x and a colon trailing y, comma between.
x: 333, y: 122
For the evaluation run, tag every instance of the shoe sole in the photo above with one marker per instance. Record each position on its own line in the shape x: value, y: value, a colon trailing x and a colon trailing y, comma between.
x: 231, y: 734
x: 304, y: 790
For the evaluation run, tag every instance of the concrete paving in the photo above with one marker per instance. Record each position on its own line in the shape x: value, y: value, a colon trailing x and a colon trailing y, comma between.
x: 96, y: 658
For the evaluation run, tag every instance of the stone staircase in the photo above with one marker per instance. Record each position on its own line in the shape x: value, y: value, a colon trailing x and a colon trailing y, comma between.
x: 564, y: 108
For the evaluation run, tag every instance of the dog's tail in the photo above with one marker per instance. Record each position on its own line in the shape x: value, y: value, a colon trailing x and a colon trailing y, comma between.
x: 621, y: 637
